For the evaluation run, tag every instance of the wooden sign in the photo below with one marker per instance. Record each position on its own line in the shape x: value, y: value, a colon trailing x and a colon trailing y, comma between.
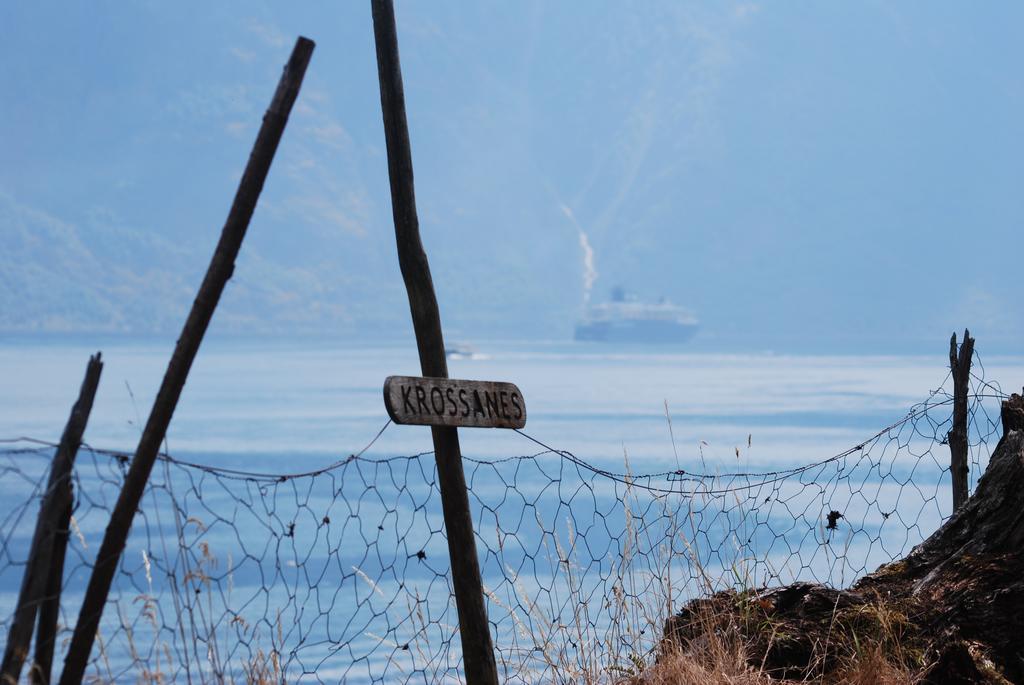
x: 451, y: 402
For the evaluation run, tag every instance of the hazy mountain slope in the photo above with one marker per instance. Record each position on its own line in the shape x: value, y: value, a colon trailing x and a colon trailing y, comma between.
x: 809, y: 175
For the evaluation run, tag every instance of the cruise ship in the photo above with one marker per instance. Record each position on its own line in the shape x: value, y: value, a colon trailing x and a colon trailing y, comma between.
x: 625, y: 319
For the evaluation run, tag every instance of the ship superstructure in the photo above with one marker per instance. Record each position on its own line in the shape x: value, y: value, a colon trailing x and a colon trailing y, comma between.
x: 630, y: 320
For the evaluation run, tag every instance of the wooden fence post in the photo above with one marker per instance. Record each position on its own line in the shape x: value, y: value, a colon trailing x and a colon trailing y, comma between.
x: 477, y: 649
x: 46, y: 555
x: 960, y: 366
x: 49, y: 609
x: 221, y: 267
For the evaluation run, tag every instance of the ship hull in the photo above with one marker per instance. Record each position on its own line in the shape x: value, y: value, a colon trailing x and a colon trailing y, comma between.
x: 636, y: 331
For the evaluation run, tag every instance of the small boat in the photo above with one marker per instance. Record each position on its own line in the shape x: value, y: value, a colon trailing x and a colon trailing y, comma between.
x: 462, y: 351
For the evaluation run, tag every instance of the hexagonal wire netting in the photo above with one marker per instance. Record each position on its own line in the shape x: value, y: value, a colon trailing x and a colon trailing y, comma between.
x: 341, y: 574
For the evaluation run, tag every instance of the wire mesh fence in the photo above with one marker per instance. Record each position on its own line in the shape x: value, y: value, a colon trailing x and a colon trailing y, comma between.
x: 341, y: 574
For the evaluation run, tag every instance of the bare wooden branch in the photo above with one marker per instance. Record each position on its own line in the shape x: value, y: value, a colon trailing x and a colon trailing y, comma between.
x: 477, y: 648
x: 221, y: 267
x: 46, y: 556
x: 960, y: 366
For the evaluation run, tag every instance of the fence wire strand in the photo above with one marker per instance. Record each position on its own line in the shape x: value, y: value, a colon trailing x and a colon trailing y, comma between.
x: 341, y: 574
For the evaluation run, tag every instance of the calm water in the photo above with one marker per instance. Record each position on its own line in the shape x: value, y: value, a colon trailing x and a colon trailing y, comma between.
x: 349, y: 556
x: 247, y: 404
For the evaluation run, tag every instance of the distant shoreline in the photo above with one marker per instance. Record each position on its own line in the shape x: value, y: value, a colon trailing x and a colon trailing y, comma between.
x: 918, y: 348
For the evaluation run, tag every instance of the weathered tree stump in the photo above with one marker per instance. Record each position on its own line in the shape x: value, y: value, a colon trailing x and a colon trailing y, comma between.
x: 952, y: 609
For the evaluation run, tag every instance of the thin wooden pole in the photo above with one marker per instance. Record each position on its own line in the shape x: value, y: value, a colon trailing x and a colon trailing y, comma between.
x: 960, y: 366
x: 477, y: 649
x: 45, y: 559
x: 221, y: 267
x: 49, y: 609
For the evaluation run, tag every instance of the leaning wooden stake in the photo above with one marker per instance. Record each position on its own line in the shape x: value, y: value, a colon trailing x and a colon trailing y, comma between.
x: 960, y: 365
x: 477, y: 650
x: 43, y: 552
x: 49, y: 608
x: 221, y: 267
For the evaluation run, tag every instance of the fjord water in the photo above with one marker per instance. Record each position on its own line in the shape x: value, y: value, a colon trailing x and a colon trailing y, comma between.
x: 287, y: 408
x: 247, y: 404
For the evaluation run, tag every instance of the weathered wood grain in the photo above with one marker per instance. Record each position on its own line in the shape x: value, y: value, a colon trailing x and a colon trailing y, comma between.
x: 960, y: 366
x: 419, y: 401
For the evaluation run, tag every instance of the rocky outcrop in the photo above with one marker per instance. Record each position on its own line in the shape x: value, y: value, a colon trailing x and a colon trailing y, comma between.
x: 953, y: 609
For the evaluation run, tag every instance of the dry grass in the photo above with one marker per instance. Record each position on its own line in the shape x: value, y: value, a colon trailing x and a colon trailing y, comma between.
x: 155, y: 662
x: 627, y: 647
x: 728, y: 665
x: 865, y: 645
x: 723, y: 653
x: 621, y: 641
